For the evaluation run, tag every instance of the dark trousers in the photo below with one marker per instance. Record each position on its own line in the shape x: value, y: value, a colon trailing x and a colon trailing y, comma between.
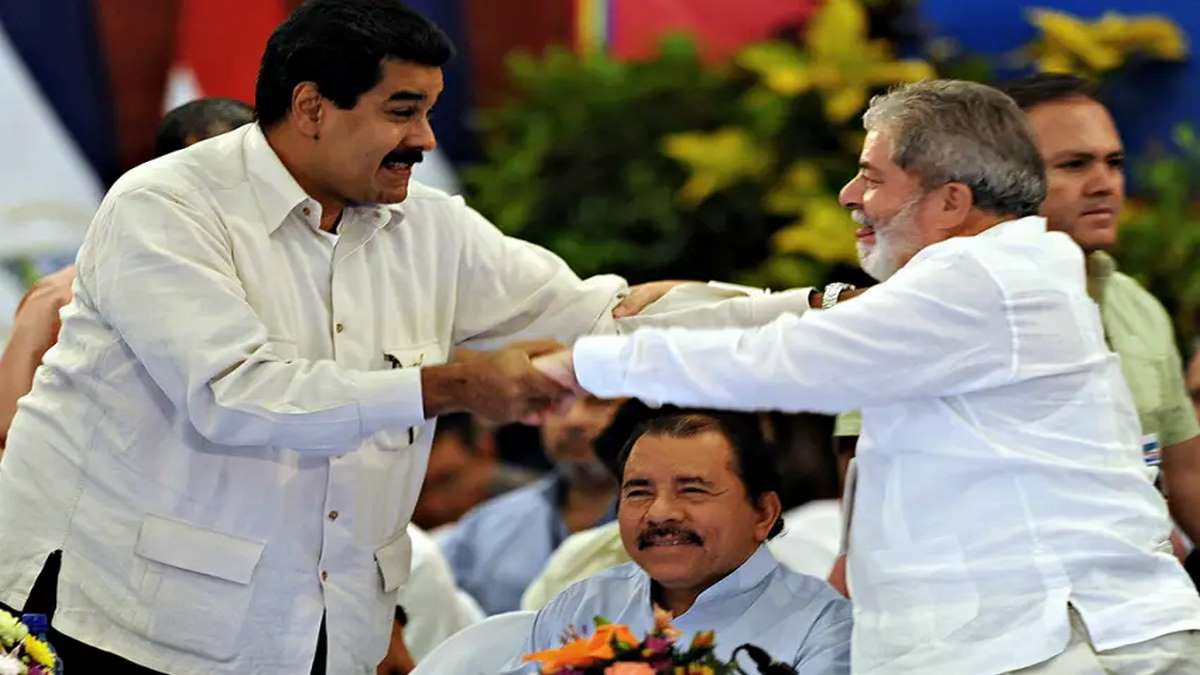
x: 79, y: 657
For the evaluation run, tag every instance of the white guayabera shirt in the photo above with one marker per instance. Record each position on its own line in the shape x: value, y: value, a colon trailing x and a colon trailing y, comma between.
x: 229, y: 438
x: 999, y: 469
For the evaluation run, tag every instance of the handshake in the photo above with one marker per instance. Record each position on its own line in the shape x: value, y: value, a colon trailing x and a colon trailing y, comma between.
x: 524, y: 381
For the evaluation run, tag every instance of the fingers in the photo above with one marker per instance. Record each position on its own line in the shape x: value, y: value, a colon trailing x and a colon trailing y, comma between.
x: 560, y: 367
x: 642, y: 296
x: 534, y: 348
x: 462, y: 354
x: 630, y: 305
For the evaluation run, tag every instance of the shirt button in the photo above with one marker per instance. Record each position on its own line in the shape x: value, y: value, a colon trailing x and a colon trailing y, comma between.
x: 338, y: 327
x: 333, y: 515
x: 306, y: 211
x: 324, y: 575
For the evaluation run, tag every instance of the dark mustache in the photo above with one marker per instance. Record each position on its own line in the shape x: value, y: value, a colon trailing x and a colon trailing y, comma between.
x: 406, y: 156
x: 647, y: 536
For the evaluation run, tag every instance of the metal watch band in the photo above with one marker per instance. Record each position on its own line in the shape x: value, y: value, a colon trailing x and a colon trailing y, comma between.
x: 829, y: 298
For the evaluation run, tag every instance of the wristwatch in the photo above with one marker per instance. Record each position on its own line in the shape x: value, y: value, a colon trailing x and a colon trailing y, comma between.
x: 830, y: 297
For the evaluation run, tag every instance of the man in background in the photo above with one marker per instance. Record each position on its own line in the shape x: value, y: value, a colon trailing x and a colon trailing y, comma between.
x: 497, y: 549
x: 1085, y: 182
x: 198, y: 120
x: 464, y: 471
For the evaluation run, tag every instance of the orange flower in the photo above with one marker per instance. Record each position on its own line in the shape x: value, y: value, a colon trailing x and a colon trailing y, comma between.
x: 662, y: 624
x: 620, y: 631
x: 585, y: 651
x: 704, y: 638
x: 629, y: 668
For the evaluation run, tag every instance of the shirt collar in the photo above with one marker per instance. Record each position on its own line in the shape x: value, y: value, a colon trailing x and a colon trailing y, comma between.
x: 279, y: 194
x: 1026, y: 225
x: 277, y: 191
x: 746, y: 577
x: 1100, y: 269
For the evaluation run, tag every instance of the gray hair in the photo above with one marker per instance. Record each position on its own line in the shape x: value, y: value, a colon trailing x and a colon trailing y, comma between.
x: 954, y: 131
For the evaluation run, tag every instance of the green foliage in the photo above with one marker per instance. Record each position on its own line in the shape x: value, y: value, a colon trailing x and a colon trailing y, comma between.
x: 1160, y: 233
x: 575, y: 164
x: 673, y: 168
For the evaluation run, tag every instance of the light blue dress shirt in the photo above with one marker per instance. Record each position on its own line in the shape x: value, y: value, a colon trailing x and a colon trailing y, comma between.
x: 499, y: 547
x: 796, y: 618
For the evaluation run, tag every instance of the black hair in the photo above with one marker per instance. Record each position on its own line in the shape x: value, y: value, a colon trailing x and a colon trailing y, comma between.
x: 340, y: 45
x: 460, y: 425
x: 198, y: 120
x: 755, y: 463
x: 1048, y: 88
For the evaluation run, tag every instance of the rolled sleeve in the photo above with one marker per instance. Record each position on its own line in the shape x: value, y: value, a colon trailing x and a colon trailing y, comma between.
x: 716, y: 305
x: 600, y: 364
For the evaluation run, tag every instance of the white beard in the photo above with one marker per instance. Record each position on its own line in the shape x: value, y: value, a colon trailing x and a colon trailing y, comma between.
x: 882, y: 259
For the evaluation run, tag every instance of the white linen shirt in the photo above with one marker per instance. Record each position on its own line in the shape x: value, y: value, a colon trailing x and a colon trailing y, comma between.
x: 229, y: 437
x: 999, y: 468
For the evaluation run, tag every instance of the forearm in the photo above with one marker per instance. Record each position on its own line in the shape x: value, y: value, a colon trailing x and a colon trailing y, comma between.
x: 1181, y: 473
x: 443, y: 389
x: 17, y: 367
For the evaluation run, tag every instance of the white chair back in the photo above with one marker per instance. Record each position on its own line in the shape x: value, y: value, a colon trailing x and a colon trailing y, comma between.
x: 482, y: 649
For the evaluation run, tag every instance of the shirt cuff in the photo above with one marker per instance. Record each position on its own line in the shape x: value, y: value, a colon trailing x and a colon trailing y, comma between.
x: 766, y: 308
x: 599, y: 366
x: 388, y: 399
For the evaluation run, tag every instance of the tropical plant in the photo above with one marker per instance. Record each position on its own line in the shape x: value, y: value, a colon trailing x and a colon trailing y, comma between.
x: 1160, y: 231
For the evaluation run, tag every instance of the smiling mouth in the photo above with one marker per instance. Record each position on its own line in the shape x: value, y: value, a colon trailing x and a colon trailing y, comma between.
x: 865, y: 232
x: 668, y: 539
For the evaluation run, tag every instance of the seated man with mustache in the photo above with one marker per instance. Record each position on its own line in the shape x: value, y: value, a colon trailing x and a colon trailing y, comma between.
x: 698, y: 499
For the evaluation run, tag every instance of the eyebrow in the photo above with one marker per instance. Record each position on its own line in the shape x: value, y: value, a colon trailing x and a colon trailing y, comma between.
x: 406, y: 95
x: 864, y: 165
x: 692, y: 480
x: 1083, y: 154
x: 635, y: 482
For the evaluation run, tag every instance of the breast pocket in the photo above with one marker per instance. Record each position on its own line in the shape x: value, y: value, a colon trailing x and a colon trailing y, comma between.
x: 419, y: 355
x: 195, y: 583
x: 1146, y: 376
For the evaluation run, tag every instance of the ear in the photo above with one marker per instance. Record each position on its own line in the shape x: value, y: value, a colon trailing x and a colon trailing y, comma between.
x: 769, y: 509
x: 955, y: 203
x: 307, y: 109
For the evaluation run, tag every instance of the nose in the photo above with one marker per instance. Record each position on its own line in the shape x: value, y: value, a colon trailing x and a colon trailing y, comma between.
x: 852, y: 194
x: 577, y: 416
x: 421, y: 135
x: 664, y: 508
x: 1105, y: 179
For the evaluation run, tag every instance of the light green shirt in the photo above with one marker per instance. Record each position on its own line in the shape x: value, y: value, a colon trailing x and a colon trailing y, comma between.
x: 1138, y: 329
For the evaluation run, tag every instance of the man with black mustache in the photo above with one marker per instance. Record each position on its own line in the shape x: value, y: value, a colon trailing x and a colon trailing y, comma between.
x: 699, y: 498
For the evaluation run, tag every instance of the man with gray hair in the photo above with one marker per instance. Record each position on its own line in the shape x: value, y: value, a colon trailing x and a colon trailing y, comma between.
x: 1002, y: 521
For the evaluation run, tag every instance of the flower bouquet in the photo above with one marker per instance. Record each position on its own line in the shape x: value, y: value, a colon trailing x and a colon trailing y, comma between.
x: 613, y: 650
x: 21, y: 652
